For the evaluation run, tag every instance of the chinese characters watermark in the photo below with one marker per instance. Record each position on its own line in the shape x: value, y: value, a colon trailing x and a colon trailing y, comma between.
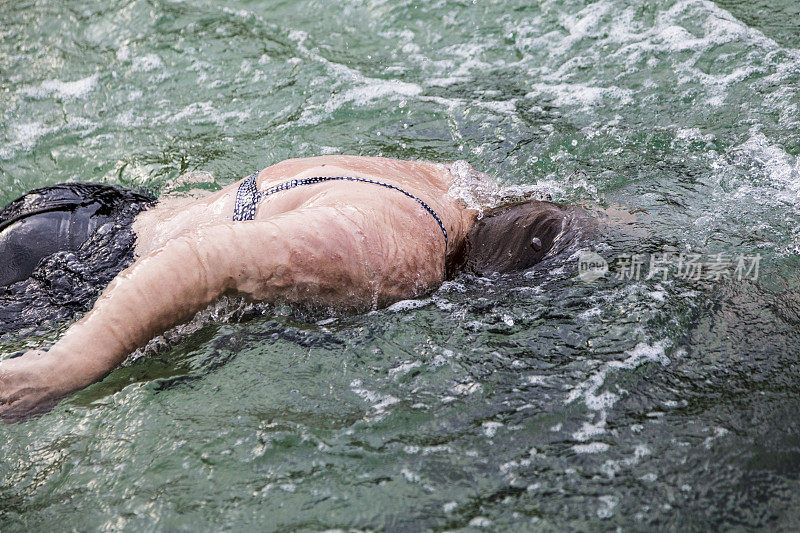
x: 666, y: 265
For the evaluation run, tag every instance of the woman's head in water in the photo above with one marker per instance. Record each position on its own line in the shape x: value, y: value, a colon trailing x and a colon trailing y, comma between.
x: 515, y: 237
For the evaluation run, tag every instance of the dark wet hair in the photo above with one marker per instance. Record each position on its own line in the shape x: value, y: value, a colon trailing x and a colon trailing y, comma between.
x: 515, y: 237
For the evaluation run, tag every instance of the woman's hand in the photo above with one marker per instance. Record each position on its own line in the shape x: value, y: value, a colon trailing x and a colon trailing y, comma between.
x: 30, y: 384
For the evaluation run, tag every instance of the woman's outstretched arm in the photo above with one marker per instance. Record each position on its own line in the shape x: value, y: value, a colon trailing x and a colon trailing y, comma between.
x: 327, y: 255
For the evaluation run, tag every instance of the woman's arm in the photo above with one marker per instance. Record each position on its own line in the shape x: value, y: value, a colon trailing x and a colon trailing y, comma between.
x: 156, y: 292
x: 327, y: 255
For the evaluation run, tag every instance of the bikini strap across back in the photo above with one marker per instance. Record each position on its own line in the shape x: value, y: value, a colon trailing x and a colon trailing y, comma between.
x: 248, y: 196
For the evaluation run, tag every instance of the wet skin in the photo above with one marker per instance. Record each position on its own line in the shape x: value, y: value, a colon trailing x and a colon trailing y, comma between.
x: 344, y: 245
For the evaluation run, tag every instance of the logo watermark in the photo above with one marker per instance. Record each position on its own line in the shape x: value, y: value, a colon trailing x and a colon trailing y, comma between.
x: 711, y: 267
x: 591, y: 266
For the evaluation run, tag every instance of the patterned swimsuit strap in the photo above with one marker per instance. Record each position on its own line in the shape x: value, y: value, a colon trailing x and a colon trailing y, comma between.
x: 248, y: 196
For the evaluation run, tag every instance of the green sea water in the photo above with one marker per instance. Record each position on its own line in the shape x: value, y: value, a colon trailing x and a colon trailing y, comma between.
x: 539, y: 402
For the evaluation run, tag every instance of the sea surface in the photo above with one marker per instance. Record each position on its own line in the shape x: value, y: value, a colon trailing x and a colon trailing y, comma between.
x: 662, y: 395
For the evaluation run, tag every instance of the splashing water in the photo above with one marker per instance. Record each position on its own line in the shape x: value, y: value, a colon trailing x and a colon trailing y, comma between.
x: 530, y: 402
x: 479, y: 191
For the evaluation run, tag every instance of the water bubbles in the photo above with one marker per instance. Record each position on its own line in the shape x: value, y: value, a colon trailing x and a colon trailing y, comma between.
x: 591, y: 447
x: 480, y: 521
x: 607, y: 505
x: 490, y: 428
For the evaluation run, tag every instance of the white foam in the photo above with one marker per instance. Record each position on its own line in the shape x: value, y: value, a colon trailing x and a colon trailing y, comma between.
x: 659, y: 296
x: 411, y: 477
x: 64, y: 89
x: 600, y: 402
x: 649, y: 477
x: 585, y: 23
x: 507, y: 108
x: 757, y: 174
x: 123, y: 53
x: 24, y: 136
x: 476, y: 189
x: 778, y: 166
x: 191, y: 110
x: 372, y: 89
x: 202, y: 112
x: 590, y: 313
x: 580, y: 94
x: 590, y: 430
x: 591, y: 447
x: 503, y: 107
x: 534, y: 379
x: 427, y: 450
x: 718, y: 28
x: 403, y: 368
x: 147, y: 63
x: 128, y: 120
x: 718, y: 432
x: 480, y: 521
x: 465, y: 389
x: 362, y: 89
x: 465, y: 59
x: 611, y: 467
x: 692, y: 134
x: 607, y: 505
x: 490, y: 428
x: 379, y: 402
x: 479, y: 191
x: 605, y: 33
x: 408, y: 305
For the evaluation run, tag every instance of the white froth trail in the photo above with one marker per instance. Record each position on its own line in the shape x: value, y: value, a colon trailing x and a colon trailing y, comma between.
x: 64, y: 89
x: 203, y: 112
x: 580, y: 94
x: 147, y: 63
x: 479, y: 191
x: 24, y: 136
x: 379, y: 402
x: 565, y: 63
x: 598, y: 401
x: 364, y: 91
x: 762, y: 184
x: 781, y: 169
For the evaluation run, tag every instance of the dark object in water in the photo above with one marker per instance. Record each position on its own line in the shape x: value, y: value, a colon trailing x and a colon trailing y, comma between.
x: 517, y: 236
x: 61, y: 245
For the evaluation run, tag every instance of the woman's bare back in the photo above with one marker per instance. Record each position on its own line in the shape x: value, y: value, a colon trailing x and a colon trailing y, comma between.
x: 429, y: 181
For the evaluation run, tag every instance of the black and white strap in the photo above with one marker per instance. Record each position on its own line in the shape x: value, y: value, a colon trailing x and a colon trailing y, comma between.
x: 248, y: 195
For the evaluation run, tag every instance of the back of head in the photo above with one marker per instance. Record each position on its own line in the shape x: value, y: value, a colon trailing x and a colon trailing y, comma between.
x: 516, y: 236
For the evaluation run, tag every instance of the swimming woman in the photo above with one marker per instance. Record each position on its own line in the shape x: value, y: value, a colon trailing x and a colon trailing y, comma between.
x: 343, y: 232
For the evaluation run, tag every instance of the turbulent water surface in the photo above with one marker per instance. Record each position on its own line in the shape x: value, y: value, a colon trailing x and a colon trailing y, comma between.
x: 536, y: 402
